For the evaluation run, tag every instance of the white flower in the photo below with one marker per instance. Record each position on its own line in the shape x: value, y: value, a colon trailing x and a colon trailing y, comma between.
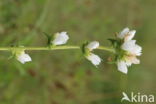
x: 128, y: 61
x: 126, y: 34
x: 95, y: 59
x: 122, y: 67
x: 23, y: 57
x: 93, y: 45
x: 60, y: 38
x: 132, y: 50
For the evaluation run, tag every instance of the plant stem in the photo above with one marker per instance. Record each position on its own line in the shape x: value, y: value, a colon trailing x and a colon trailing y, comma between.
x: 106, y: 49
x: 52, y: 48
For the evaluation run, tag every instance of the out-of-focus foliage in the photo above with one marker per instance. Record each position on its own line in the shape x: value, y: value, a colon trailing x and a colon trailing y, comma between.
x: 65, y: 77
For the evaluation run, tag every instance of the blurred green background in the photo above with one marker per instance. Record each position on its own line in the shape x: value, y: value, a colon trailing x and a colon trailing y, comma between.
x: 65, y: 77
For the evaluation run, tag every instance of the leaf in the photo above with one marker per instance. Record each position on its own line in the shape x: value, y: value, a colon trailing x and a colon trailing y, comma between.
x: 83, y: 47
x: 114, y: 42
x: 49, y: 38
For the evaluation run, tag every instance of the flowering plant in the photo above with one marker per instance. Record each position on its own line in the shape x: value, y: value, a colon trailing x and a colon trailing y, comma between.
x: 124, y: 49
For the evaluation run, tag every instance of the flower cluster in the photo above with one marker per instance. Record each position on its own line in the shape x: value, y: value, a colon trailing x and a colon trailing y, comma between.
x: 125, y: 49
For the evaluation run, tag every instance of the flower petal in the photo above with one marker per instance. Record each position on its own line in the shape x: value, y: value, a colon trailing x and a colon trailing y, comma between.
x: 128, y: 45
x: 122, y: 67
x: 60, y: 38
x: 23, y: 58
x: 122, y: 34
x: 130, y: 35
x: 95, y: 59
x: 93, y: 45
x: 135, y: 60
x: 137, y: 50
x: 128, y: 62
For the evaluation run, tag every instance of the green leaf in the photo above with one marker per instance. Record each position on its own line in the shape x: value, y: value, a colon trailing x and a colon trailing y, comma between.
x: 83, y: 47
x: 49, y: 38
x: 115, y: 43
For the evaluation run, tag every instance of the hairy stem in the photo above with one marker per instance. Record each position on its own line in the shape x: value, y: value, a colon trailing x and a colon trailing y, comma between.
x: 52, y: 48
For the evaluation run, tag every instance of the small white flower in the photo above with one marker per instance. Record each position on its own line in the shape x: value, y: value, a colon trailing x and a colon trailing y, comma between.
x: 132, y: 50
x: 122, y: 34
x: 95, y: 59
x: 60, y: 38
x: 126, y: 34
x: 131, y: 59
x: 23, y: 57
x: 93, y: 45
x: 131, y: 47
x: 122, y: 67
x: 130, y: 35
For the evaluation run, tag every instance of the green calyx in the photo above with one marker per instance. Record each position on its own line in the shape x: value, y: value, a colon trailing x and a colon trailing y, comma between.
x: 16, y: 51
x: 119, y: 53
x: 49, y: 39
x: 85, y: 50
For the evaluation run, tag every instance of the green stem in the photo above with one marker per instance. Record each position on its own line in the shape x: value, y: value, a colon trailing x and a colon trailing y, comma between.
x: 106, y: 49
x: 52, y: 48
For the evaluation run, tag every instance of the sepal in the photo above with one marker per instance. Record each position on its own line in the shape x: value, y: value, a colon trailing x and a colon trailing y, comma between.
x: 49, y: 38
